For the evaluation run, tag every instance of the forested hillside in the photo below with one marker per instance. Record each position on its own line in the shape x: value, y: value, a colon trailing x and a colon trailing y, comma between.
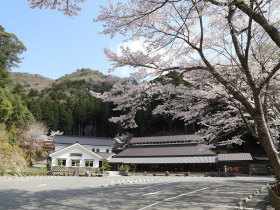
x: 81, y: 79
x: 34, y: 81
x: 66, y: 105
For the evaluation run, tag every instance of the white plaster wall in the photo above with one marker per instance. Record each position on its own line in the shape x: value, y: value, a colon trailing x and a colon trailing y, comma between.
x: 101, y: 148
x: 66, y: 155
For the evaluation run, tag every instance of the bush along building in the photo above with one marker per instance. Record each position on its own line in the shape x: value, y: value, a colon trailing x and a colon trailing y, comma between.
x: 76, y: 153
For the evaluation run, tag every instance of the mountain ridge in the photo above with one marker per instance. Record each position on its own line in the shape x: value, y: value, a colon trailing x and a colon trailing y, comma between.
x: 38, y: 82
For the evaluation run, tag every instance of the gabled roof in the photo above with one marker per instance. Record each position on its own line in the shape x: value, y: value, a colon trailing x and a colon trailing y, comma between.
x: 84, y: 140
x: 77, y: 145
x: 165, y: 138
x: 170, y: 150
x: 234, y: 157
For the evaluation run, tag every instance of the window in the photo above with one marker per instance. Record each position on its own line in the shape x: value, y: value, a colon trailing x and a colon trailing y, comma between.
x: 89, y: 163
x: 93, y: 149
x: 61, y: 162
x: 107, y: 150
x: 75, y: 162
x: 97, y: 150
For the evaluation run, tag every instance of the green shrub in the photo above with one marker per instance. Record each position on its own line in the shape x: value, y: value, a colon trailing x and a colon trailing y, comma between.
x: 13, y: 168
x: 2, y: 169
x: 105, y: 167
x: 35, y: 171
x: 125, y: 168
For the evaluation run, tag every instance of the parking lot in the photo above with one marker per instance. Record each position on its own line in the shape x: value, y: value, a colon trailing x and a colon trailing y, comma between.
x: 139, y: 193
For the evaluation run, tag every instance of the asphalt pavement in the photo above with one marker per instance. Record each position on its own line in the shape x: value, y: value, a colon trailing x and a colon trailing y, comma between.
x: 139, y: 193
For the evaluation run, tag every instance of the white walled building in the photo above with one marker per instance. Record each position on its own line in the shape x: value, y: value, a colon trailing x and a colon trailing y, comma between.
x: 80, y: 152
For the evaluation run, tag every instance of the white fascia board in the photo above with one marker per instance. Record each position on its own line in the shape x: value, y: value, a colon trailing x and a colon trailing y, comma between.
x: 77, y: 145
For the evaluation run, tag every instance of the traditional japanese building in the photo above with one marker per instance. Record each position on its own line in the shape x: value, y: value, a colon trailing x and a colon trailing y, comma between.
x: 180, y: 153
x: 80, y: 153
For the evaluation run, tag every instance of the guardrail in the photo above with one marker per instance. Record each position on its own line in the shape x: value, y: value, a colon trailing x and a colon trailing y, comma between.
x: 274, y: 194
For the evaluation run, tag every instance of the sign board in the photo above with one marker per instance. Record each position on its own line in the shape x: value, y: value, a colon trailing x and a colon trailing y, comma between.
x: 233, y: 169
x: 76, y: 154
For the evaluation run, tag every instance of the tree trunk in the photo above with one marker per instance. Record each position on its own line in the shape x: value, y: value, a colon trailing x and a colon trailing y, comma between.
x: 267, y: 143
x: 193, y: 127
x: 95, y: 128
x: 79, y: 129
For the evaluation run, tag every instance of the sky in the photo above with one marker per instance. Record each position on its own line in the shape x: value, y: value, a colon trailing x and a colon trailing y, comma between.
x: 57, y: 44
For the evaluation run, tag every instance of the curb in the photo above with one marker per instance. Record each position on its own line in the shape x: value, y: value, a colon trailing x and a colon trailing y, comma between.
x: 257, y: 192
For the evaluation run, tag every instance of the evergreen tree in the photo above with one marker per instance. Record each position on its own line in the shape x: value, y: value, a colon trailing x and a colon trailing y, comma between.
x: 65, y: 122
x: 10, y: 48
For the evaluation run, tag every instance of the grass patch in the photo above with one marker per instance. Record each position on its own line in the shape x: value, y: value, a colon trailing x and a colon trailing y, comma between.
x: 35, y: 171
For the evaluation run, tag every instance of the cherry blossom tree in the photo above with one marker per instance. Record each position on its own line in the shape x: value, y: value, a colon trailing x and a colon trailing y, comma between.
x: 227, y: 49
x: 36, y: 134
x: 67, y: 7
x: 53, y: 133
x: 121, y: 142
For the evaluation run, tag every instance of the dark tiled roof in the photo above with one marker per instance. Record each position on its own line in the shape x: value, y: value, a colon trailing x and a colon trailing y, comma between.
x: 105, y: 155
x: 165, y: 138
x: 166, y: 151
x: 159, y: 160
x: 234, y: 157
x: 84, y: 140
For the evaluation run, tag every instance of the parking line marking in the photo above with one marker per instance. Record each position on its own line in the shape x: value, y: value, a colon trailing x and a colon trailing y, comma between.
x: 154, y: 185
x: 149, y: 206
x: 240, y: 193
x: 186, y: 193
x: 153, y: 193
x: 41, y: 185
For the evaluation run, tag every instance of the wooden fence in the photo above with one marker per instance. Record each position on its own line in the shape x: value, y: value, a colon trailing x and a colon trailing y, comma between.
x: 274, y: 194
x: 72, y: 169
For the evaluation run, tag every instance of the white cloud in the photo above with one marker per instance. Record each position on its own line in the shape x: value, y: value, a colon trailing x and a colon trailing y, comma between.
x: 138, y: 45
x: 124, y: 71
x: 134, y: 46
